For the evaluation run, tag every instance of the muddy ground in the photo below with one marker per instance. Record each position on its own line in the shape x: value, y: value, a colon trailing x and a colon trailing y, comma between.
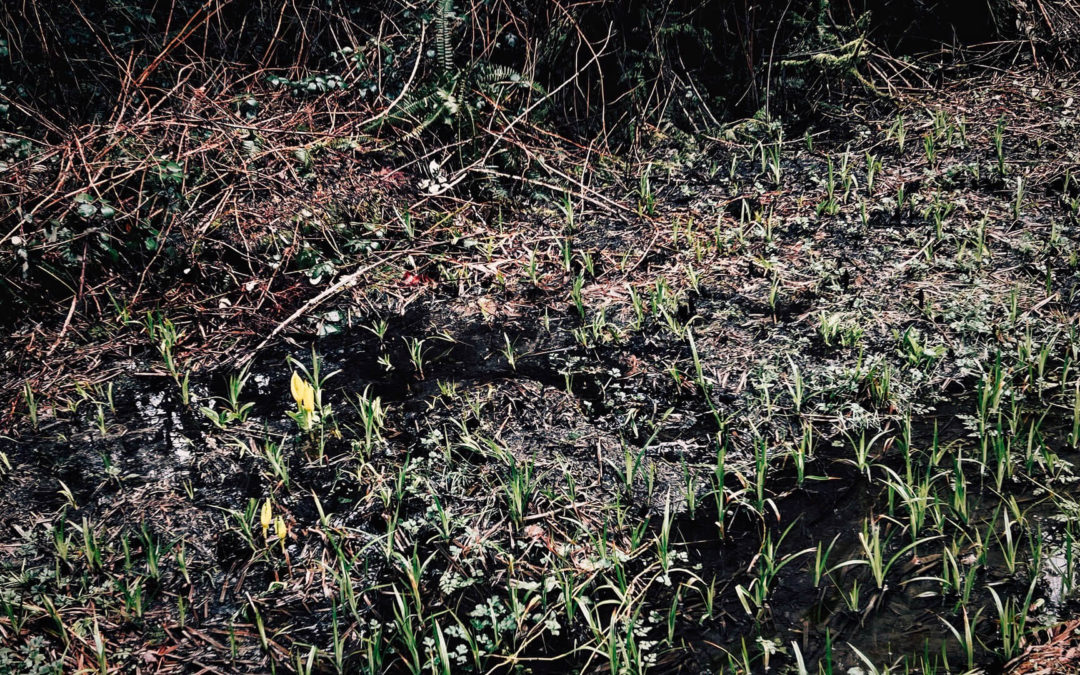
x: 665, y: 424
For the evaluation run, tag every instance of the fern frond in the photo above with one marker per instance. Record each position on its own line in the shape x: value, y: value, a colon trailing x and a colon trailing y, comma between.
x: 492, y: 75
x: 444, y: 11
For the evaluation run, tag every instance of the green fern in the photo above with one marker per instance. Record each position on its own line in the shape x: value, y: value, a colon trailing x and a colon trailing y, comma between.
x: 444, y: 11
x: 494, y: 74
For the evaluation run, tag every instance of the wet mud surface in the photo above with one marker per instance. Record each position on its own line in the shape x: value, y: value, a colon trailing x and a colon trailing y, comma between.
x: 769, y: 425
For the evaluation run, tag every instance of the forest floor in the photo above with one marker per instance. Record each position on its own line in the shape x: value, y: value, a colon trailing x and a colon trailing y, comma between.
x: 752, y: 402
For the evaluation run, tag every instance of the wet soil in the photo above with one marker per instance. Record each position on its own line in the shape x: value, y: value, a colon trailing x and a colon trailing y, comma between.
x: 584, y: 377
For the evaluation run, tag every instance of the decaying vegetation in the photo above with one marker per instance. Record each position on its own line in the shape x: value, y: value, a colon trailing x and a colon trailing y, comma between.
x: 527, y: 336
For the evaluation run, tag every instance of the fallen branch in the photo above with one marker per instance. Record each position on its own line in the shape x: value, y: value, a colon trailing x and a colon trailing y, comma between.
x: 347, y: 281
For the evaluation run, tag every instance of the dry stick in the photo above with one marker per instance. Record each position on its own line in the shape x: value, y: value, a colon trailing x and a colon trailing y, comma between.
x: 613, y: 207
x: 183, y: 35
x: 31, y: 113
x: 408, y: 83
x: 600, y: 80
x: 71, y: 310
x: 1040, y: 304
x: 768, y: 71
x: 347, y: 281
x: 145, y: 121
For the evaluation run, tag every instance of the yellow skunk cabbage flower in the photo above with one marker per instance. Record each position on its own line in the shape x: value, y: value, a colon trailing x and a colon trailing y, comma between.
x: 303, y: 393
x: 280, y: 531
x: 265, y: 517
